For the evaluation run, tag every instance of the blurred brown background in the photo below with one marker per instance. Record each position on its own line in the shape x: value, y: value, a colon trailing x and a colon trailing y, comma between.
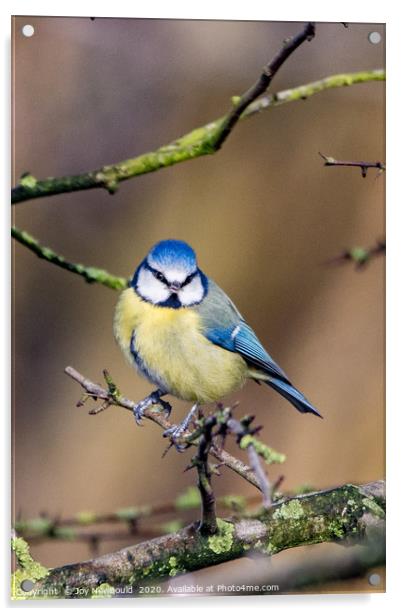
x: 263, y: 215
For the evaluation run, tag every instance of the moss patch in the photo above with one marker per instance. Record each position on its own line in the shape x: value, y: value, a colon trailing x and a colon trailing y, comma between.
x: 289, y: 511
x: 28, y: 570
x: 222, y: 541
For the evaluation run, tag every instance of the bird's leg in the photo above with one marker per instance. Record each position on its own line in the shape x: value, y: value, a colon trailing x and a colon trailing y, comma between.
x: 154, y: 398
x: 177, y: 430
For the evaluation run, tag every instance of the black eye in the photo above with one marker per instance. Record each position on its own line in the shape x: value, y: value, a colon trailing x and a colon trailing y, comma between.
x: 189, y: 278
x: 159, y: 276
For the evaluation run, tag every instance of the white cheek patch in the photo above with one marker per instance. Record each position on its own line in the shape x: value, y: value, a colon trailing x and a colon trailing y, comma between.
x: 150, y: 288
x: 191, y: 293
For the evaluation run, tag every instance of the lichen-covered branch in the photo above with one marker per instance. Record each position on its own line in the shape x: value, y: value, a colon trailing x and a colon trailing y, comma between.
x: 90, y: 274
x: 192, y: 145
x: 349, y: 513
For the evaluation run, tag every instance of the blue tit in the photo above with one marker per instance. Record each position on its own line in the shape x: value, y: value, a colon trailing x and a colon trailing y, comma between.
x: 184, y: 334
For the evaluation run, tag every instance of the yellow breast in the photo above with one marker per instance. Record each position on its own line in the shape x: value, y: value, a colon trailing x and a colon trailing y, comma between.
x: 174, y: 351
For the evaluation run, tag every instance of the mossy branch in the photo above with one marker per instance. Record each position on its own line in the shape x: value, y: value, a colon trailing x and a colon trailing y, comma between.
x: 351, y: 514
x: 198, y: 142
x: 90, y: 274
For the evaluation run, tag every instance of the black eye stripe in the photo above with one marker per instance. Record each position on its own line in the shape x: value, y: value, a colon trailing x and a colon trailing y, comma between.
x: 189, y: 278
x: 159, y: 276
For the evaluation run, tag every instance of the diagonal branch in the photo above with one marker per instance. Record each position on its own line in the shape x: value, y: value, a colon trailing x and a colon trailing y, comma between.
x: 198, y: 142
x: 349, y: 513
x: 268, y: 73
x: 90, y: 274
x: 155, y: 413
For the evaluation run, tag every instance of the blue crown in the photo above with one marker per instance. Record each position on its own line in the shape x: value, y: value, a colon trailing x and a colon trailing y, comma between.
x: 172, y: 253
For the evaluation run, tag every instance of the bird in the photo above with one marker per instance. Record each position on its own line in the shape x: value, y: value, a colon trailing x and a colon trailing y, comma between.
x: 181, y: 332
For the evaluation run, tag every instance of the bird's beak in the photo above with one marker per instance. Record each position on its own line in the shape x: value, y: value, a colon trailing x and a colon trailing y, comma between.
x: 175, y: 286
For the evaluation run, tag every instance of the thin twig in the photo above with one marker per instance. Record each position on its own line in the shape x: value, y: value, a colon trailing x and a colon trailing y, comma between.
x: 268, y: 73
x: 363, y: 165
x: 155, y: 413
x: 358, y: 255
x: 241, y: 430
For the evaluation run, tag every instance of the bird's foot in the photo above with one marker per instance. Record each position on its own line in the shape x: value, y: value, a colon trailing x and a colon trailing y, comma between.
x: 153, y: 398
x: 176, y: 431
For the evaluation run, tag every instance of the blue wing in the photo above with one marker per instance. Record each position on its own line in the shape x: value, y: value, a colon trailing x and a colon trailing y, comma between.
x: 241, y: 339
x: 225, y: 327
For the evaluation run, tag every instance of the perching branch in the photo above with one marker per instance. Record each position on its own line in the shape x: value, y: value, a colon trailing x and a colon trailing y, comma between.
x: 363, y: 165
x: 90, y: 274
x: 349, y: 513
x: 112, y: 397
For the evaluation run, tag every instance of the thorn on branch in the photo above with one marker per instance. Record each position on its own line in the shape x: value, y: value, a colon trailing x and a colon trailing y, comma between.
x: 329, y: 161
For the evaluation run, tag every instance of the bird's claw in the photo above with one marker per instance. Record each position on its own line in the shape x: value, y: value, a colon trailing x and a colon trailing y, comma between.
x: 153, y: 398
x: 167, y: 408
x: 175, y: 433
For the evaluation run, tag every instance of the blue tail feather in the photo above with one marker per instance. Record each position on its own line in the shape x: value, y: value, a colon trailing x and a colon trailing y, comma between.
x: 294, y: 396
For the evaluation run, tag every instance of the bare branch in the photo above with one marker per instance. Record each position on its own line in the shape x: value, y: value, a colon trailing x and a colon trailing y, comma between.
x: 268, y: 73
x: 156, y: 414
x: 243, y: 432
x: 359, y: 256
x: 363, y: 165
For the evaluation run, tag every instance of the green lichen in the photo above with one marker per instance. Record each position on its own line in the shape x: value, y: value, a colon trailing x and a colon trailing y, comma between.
x: 289, y: 511
x: 222, y: 541
x: 267, y: 453
x: 28, y: 180
x: 28, y: 569
x: 373, y: 507
x: 336, y: 529
x: 86, y: 517
x: 132, y: 513
x: 66, y: 533
x: 189, y: 499
x: 174, y: 567
x: 39, y: 526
